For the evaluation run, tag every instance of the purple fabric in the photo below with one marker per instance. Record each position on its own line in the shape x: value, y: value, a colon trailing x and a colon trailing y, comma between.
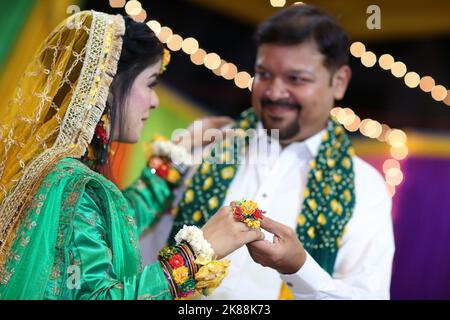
x: 421, y: 267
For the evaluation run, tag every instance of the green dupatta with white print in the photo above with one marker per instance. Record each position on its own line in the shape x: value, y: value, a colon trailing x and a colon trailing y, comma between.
x: 329, y: 196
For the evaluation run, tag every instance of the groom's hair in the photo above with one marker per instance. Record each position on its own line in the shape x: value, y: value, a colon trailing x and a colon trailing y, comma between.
x: 302, y: 23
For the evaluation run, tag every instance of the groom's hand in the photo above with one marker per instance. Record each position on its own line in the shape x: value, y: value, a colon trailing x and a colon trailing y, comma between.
x: 285, y: 254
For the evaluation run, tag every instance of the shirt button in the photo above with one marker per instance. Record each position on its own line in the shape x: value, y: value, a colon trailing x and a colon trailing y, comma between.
x: 264, y: 195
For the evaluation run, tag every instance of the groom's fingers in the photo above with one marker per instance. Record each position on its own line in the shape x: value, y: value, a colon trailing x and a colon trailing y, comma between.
x: 278, y: 229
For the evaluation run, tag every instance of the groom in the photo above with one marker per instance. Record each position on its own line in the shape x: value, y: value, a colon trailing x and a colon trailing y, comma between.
x: 328, y: 211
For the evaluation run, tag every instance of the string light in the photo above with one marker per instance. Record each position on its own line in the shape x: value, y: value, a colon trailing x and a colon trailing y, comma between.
x: 133, y: 7
x: 278, y: 3
x: 400, y: 70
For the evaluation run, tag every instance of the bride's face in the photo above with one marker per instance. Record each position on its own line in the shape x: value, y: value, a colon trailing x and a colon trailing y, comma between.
x: 141, y: 99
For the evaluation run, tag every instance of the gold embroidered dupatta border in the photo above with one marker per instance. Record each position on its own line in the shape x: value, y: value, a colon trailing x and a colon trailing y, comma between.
x: 87, y: 104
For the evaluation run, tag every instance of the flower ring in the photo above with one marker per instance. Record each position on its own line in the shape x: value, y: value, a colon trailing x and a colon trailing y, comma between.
x: 247, y: 211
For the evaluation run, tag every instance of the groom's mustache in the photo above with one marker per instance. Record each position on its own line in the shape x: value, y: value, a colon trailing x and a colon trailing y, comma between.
x: 265, y: 102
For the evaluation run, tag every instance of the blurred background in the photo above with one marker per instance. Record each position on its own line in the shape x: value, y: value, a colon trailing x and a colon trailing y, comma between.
x: 399, y: 92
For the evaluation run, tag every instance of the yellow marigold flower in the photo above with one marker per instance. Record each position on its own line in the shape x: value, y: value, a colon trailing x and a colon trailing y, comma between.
x: 306, y: 193
x: 346, y: 163
x: 244, y: 124
x: 327, y: 190
x: 213, y: 203
x: 312, y: 204
x: 319, y: 175
x: 227, y: 173
x: 331, y: 163
x: 180, y: 275
x: 339, y: 242
x: 321, y: 219
x: 338, y: 130
x: 347, y: 195
x: 197, y: 216
x: 189, y: 196
x: 337, y: 178
x: 311, y: 232
x: 336, y: 206
x: 301, y: 220
x: 208, y: 183
x: 174, y: 211
x: 206, y: 167
x: 173, y: 176
x: 325, y: 136
x: 210, y: 275
x: 344, y: 231
x: 351, y: 151
x: 312, y: 164
x: 249, y: 207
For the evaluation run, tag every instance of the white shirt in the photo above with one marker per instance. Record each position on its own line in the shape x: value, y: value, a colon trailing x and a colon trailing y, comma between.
x: 276, y: 181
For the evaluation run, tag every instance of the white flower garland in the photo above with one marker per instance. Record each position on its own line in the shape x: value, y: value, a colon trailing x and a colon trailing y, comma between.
x: 179, y: 155
x: 194, y: 236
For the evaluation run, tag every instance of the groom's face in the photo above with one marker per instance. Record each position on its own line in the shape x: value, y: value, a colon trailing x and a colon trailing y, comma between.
x: 293, y: 91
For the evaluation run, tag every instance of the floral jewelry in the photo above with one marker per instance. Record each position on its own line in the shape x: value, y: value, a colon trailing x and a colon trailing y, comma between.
x: 247, y: 211
x: 165, y: 61
x: 98, y: 149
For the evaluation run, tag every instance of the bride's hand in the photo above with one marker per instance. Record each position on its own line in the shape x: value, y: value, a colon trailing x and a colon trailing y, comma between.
x: 197, y: 135
x: 225, y: 234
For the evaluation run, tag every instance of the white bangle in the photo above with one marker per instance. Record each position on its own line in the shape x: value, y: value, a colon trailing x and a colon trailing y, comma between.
x: 179, y: 155
x: 194, y: 236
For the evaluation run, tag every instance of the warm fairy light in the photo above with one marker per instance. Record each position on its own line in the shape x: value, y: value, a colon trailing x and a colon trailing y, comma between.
x: 165, y: 34
x: 372, y: 129
x: 141, y: 17
x: 250, y: 83
x: 397, y: 138
x: 363, y: 126
x: 391, y: 190
x: 174, y: 42
x: 354, y: 125
x: 394, y: 176
x: 278, y: 3
x: 427, y: 83
x: 133, y: 8
x: 389, y: 164
x: 368, y: 59
x: 399, y: 153
x: 229, y: 71
x: 439, y: 93
x: 335, y: 111
x: 198, y: 57
x: 155, y: 26
x: 385, y: 131
x: 242, y: 79
x: 212, y: 61
x: 386, y: 61
x: 357, y: 49
x: 412, y: 79
x: 190, y: 45
x: 447, y: 99
x: 117, y: 3
x: 398, y: 69
x: 216, y: 71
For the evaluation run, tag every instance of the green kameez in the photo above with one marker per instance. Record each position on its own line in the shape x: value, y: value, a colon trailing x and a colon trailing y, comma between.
x: 80, y: 239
